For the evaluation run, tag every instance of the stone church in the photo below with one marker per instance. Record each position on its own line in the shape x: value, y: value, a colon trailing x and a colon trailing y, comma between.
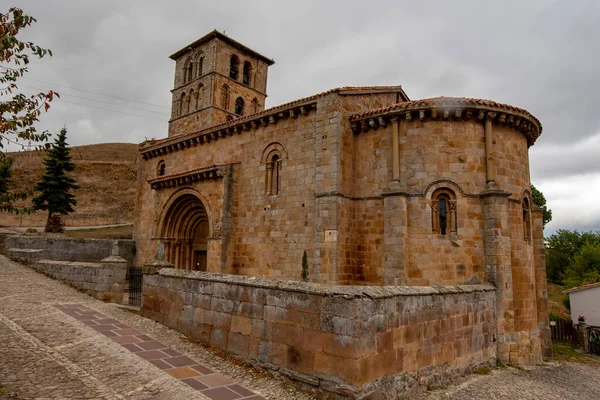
x: 376, y: 188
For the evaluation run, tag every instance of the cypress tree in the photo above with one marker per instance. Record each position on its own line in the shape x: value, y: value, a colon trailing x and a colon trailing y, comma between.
x: 56, y: 185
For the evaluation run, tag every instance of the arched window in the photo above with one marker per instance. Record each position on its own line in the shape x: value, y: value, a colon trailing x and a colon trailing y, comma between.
x: 182, y: 103
x: 239, y: 106
x: 247, y: 73
x: 188, y: 71
x: 443, y: 212
x: 274, y: 174
x: 200, y: 66
x: 234, y: 66
x: 526, y: 220
x: 160, y: 169
x: 190, y: 99
x: 225, y: 97
x: 199, y: 96
x: 255, y: 105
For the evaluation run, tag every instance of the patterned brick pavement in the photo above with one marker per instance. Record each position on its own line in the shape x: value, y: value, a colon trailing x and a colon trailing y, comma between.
x: 58, y: 343
x: 211, y: 384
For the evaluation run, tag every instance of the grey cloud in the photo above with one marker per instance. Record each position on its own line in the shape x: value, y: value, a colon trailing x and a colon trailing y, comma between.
x: 538, y: 55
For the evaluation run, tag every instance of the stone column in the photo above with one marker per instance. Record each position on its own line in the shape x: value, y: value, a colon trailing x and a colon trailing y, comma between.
x: 498, y: 269
x: 490, y: 168
x: 541, y: 285
x: 395, y: 239
x: 152, y: 267
x: 269, y: 178
x: 395, y: 150
x: 117, y: 266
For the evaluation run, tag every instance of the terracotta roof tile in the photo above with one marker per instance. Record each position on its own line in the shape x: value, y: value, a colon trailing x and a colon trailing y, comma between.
x: 216, y: 34
x: 445, y: 101
x: 186, y: 172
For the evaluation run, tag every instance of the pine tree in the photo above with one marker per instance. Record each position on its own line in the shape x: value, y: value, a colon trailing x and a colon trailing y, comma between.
x: 55, y: 185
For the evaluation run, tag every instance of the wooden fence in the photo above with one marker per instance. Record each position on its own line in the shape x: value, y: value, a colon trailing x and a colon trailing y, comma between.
x: 563, y: 329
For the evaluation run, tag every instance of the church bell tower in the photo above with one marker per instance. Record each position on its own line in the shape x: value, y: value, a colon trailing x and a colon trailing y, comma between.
x: 216, y: 79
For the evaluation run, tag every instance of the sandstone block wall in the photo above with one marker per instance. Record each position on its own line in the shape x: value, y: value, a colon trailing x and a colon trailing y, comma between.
x: 70, y: 249
x: 104, y: 281
x: 347, y: 341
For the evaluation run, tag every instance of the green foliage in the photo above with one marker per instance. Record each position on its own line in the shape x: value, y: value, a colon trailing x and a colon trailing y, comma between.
x: 18, y: 112
x: 55, y: 185
x: 539, y: 200
x: 585, y: 267
x: 304, y: 266
x: 561, y: 249
x: 7, y: 195
x: 567, y: 302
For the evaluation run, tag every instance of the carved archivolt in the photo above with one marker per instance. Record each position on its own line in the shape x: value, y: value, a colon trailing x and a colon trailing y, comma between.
x: 272, y: 157
x: 270, y: 150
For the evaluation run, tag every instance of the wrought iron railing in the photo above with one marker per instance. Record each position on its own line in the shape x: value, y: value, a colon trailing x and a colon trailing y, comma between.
x: 594, y: 339
x: 135, y: 277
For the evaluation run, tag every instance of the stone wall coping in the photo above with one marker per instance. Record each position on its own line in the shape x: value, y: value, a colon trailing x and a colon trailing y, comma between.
x: 377, y: 292
x: 72, y: 263
x: 17, y: 250
x: 38, y: 237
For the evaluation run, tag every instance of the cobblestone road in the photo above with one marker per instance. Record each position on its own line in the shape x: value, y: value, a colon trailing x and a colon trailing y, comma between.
x: 568, y: 381
x: 57, y: 343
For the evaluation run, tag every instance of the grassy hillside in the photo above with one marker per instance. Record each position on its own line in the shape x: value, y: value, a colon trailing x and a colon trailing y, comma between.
x: 106, y: 174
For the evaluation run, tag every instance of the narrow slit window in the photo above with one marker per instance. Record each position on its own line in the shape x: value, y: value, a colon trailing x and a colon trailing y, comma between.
x: 234, y: 66
x: 246, y: 73
x: 443, y: 216
x: 443, y: 212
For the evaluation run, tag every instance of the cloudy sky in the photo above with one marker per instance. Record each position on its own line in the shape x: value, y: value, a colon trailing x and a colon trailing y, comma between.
x: 112, y: 69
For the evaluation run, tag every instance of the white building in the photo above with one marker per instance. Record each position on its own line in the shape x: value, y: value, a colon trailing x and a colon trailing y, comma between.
x: 585, y: 300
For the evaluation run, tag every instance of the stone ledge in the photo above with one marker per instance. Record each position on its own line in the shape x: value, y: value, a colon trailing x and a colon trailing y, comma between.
x: 373, y: 292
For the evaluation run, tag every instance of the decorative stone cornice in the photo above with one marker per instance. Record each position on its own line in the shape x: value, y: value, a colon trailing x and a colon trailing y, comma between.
x: 450, y: 109
x: 292, y: 109
x: 237, y: 126
x: 217, y: 171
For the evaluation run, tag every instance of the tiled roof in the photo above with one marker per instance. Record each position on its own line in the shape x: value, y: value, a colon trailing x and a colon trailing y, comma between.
x: 215, y: 34
x: 446, y: 101
x: 281, y: 107
x: 582, y: 287
x: 186, y: 172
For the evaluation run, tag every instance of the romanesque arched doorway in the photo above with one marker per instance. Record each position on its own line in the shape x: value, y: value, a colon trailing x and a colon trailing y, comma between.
x: 185, y: 229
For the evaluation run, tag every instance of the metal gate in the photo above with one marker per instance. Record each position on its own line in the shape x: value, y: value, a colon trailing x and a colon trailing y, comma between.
x: 594, y: 339
x: 135, y: 286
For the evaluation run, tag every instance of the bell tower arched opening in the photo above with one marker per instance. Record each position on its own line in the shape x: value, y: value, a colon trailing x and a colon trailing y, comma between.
x: 185, y: 231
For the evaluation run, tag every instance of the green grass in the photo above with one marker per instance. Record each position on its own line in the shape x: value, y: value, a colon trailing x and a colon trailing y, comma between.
x: 482, y: 371
x: 564, y: 351
x: 555, y: 300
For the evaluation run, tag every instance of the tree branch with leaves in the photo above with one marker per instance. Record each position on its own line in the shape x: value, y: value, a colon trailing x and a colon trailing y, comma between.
x: 18, y: 112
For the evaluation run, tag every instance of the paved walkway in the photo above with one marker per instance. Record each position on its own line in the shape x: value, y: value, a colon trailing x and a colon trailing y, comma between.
x: 555, y: 381
x: 57, y: 343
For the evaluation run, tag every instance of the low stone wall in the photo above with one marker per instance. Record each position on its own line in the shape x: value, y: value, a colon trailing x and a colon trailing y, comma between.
x: 72, y: 249
x: 27, y: 256
x: 104, y: 281
x: 341, y: 341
